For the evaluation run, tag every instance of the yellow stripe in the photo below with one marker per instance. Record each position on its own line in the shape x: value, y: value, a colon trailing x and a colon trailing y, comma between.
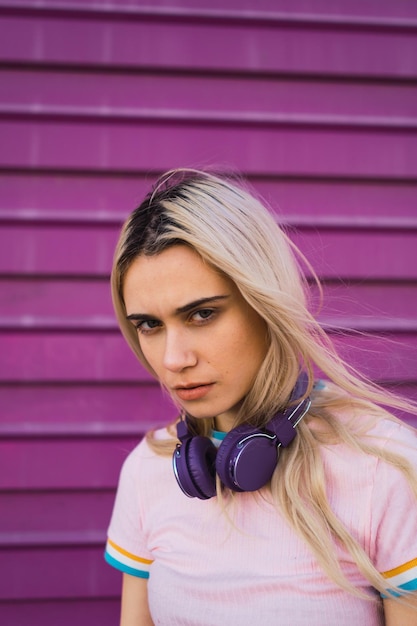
x: 400, y: 569
x: 130, y: 556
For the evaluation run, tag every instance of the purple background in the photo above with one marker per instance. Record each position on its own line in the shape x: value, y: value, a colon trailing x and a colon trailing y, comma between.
x: 314, y: 101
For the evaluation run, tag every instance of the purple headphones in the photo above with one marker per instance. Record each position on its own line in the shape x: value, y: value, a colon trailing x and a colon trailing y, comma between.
x: 246, y: 458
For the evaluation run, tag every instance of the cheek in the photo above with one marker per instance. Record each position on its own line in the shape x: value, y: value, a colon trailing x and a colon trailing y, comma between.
x: 150, y: 356
x: 243, y: 353
x: 253, y: 341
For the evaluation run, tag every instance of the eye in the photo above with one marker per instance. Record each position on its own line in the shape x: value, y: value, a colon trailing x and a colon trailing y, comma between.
x: 203, y: 315
x: 146, y: 327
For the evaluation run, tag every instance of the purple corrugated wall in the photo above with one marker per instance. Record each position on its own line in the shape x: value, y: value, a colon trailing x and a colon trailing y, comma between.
x: 314, y: 101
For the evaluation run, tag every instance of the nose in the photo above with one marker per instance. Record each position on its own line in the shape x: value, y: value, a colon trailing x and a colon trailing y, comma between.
x: 179, y: 352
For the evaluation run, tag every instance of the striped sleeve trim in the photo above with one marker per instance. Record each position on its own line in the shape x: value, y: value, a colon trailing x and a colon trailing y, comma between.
x: 404, y: 576
x: 125, y: 561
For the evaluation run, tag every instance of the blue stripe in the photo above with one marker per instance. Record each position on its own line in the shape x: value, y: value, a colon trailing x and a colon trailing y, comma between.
x: 125, y: 568
x: 218, y: 434
x: 411, y: 585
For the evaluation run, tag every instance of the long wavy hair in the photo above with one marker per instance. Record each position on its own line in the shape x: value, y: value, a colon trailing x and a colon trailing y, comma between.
x: 233, y: 232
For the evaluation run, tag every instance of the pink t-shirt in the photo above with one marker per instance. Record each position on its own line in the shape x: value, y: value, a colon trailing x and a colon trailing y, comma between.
x: 246, y: 566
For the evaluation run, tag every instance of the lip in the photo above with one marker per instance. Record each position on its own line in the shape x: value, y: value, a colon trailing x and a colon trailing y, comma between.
x: 193, y: 392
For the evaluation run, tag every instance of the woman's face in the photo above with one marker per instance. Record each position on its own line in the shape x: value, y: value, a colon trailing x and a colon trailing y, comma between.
x: 201, y: 338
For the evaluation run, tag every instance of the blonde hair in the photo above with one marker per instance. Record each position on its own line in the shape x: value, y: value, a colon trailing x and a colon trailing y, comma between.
x: 233, y: 232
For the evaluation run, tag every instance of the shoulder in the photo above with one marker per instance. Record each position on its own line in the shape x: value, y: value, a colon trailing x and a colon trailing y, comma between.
x: 387, y: 447
x: 143, y: 455
x: 394, y: 436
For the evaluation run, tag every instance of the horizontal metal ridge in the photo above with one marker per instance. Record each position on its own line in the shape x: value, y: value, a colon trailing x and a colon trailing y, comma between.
x: 112, y: 218
x: 244, y: 16
x: 36, y: 216
x: 65, y: 430
x: 52, y: 538
x: 59, y: 323
x: 370, y: 325
x: 98, y: 172
x: 123, y: 114
x: 354, y: 222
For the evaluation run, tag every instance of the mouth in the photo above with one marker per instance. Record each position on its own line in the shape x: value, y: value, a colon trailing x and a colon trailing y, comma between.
x: 193, y: 392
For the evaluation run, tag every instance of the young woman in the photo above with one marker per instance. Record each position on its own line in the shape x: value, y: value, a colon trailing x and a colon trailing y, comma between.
x: 303, y: 492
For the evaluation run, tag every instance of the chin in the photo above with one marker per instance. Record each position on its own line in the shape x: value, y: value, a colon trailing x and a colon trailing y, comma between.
x: 199, y: 415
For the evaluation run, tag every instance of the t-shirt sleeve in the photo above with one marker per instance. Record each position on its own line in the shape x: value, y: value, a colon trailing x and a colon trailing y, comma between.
x: 126, y: 544
x: 394, y: 516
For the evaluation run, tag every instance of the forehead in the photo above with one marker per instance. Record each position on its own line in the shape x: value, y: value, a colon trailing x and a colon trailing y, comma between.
x: 171, y: 279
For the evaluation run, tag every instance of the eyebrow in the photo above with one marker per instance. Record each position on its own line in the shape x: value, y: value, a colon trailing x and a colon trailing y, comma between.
x: 182, y: 309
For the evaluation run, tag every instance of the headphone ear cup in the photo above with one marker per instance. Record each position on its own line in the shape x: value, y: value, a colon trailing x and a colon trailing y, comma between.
x: 194, y: 467
x: 246, y: 459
